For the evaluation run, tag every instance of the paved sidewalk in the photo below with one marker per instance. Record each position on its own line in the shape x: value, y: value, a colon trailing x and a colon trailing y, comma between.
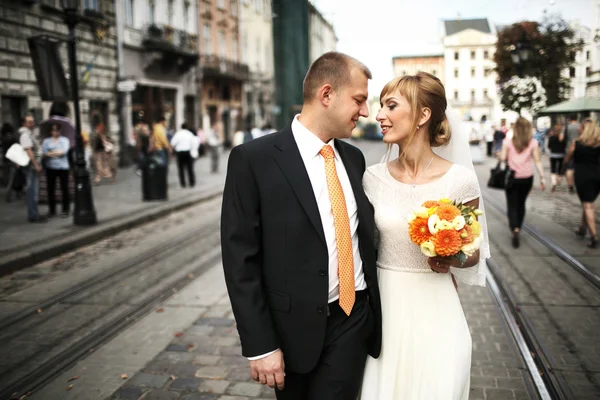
x: 118, y: 206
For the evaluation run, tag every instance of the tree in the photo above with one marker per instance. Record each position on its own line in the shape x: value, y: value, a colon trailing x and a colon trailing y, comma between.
x: 553, y: 48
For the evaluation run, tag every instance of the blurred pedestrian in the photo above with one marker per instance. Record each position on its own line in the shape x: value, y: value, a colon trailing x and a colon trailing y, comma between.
x: 213, y: 140
x: 159, y: 143
x: 32, y: 146
x: 489, y: 139
x: 184, y: 143
x: 498, y: 139
x: 55, y: 151
x: 557, y: 147
x: 572, y: 132
x: 141, y: 135
x: 520, y: 152
x: 103, y: 151
x: 585, y: 153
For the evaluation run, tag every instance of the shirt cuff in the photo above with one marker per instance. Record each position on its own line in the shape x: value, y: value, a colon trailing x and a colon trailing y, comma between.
x: 261, y: 356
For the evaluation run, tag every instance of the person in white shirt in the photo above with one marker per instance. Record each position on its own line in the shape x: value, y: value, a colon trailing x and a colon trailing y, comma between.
x: 185, y: 145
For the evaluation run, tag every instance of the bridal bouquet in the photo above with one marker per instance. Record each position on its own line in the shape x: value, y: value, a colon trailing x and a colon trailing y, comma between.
x: 446, y: 229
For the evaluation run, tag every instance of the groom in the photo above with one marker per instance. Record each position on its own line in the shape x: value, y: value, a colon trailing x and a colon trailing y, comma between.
x: 297, y: 243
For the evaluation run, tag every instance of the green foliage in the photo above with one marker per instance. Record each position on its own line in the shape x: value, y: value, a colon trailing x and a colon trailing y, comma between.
x: 553, y: 48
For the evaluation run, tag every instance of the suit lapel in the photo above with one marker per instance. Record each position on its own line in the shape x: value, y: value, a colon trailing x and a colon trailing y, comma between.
x: 289, y: 160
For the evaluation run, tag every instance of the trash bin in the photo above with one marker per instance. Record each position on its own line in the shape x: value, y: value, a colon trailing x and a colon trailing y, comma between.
x: 154, y: 180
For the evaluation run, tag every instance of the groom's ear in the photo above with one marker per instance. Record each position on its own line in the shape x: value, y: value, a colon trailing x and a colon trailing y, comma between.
x: 325, y: 92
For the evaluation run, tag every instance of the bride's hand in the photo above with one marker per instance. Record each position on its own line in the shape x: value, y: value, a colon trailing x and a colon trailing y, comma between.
x: 442, y: 264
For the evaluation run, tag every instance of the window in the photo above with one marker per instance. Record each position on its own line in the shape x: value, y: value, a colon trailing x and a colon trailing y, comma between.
x: 234, y: 49
x: 129, y: 12
x: 222, y: 45
x: 207, y: 40
x: 403, y: 73
x: 487, y: 72
x: 456, y: 95
x: 233, y: 8
x: 588, y: 71
x: 472, y: 54
x: 486, y: 54
x: 456, y: 72
x: 473, y: 72
x: 434, y: 72
x: 258, y: 6
x: 91, y: 5
x: 186, y: 15
x: 472, y: 95
x: 485, y: 94
x: 152, y: 11
x: 587, y: 55
x: 245, y: 49
x: 572, y: 72
x: 221, y: 4
x: 170, y: 12
x: 456, y: 55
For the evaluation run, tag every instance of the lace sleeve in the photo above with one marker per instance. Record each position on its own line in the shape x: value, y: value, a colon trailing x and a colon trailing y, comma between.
x: 470, y: 188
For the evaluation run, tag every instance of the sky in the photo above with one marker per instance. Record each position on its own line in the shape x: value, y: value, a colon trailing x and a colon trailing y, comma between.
x: 374, y: 31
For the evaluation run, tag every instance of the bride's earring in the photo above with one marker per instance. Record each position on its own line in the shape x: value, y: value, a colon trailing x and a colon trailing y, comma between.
x: 418, y: 127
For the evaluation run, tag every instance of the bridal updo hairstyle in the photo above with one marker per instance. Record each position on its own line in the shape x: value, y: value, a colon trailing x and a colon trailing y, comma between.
x: 424, y: 90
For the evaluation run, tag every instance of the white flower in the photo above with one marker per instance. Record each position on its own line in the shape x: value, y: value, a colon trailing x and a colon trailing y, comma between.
x: 411, y: 217
x: 458, y: 223
x: 432, y: 223
x: 422, y: 212
x: 428, y: 249
x: 469, y: 249
x: 444, y: 225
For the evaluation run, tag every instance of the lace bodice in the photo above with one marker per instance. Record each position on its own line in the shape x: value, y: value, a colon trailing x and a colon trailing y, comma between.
x: 394, y: 201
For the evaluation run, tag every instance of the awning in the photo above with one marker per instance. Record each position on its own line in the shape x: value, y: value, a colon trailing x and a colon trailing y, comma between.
x: 572, y: 106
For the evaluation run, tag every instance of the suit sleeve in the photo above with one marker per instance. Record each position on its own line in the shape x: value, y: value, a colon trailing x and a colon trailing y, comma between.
x: 241, y: 245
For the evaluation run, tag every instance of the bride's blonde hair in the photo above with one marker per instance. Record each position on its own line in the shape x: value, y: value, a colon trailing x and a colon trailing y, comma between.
x: 424, y: 90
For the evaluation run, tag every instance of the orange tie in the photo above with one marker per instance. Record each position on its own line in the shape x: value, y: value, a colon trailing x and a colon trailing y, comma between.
x: 342, y: 232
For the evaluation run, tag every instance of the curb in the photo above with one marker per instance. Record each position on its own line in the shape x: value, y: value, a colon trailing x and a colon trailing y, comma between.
x: 84, y: 236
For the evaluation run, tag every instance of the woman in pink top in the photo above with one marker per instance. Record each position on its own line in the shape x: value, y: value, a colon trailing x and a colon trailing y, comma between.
x: 521, y: 151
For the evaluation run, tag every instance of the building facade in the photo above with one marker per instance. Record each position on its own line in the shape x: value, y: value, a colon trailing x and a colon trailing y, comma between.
x: 470, y: 80
x: 322, y: 36
x: 96, y: 57
x: 223, y: 72
x: 256, y: 32
x: 159, y: 59
x: 593, y: 83
x: 411, y: 65
x: 581, y: 71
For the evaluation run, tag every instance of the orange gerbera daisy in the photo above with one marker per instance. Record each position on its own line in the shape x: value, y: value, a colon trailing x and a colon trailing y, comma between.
x: 419, y: 231
x: 431, y: 203
x: 447, y: 212
x: 466, y: 234
x: 447, y: 242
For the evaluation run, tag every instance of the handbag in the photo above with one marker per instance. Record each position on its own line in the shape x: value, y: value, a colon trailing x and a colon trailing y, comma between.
x: 17, y: 154
x: 108, y: 146
x: 497, y: 177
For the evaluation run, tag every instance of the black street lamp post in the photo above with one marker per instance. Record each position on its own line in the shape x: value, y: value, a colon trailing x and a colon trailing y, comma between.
x: 520, y: 54
x: 85, y: 214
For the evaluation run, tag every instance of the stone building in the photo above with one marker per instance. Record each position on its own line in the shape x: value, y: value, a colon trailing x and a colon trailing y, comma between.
x: 411, y: 65
x: 256, y: 32
x: 223, y: 72
x: 96, y: 56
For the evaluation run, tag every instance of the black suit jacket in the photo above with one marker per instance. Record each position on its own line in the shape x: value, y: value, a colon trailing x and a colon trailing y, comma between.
x: 274, y: 251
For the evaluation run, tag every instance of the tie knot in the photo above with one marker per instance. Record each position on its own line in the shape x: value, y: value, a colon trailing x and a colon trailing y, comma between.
x: 327, y: 152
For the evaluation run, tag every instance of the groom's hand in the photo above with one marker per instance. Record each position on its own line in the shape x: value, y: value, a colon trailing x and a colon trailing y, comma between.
x: 440, y: 264
x: 269, y: 370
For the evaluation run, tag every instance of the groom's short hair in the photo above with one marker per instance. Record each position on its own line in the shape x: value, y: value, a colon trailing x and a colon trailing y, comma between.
x: 334, y: 68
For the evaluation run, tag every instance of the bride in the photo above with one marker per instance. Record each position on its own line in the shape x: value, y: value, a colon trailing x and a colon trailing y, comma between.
x: 426, y: 345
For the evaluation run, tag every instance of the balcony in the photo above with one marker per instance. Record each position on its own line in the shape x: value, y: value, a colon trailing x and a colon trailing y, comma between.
x: 169, y: 47
x: 214, y: 66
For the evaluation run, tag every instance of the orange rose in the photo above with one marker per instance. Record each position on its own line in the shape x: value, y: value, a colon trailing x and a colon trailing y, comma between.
x: 447, y: 212
x: 419, y: 231
x: 466, y: 234
x: 447, y: 242
x: 431, y: 203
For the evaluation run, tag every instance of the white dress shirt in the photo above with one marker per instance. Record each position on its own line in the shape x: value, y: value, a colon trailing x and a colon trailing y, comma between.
x: 309, y: 146
x: 184, y: 140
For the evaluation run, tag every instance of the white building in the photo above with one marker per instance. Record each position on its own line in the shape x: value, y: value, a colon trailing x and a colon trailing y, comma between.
x: 593, y: 84
x: 322, y: 36
x: 256, y: 34
x: 158, y: 60
x: 470, y: 80
x: 581, y: 70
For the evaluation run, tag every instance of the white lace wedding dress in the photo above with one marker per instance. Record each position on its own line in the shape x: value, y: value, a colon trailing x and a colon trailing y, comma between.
x: 426, y: 345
